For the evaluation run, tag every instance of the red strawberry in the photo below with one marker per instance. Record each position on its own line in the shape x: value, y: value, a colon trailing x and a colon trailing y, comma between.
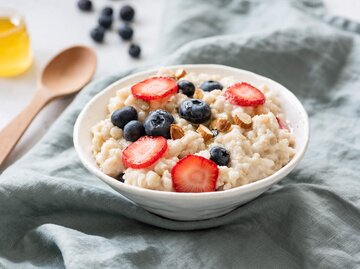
x: 194, y: 174
x: 144, y: 152
x: 243, y: 94
x: 281, y: 124
x: 154, y: 88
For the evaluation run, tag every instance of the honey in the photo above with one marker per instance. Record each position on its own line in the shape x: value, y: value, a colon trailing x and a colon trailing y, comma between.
x: 15, y: 50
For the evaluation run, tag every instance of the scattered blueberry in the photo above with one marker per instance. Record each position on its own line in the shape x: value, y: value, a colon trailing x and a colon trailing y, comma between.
x: 158, y: 123
x: 123, y: 115
x: 134, y: 51
x: 105, y: 21
x: 127, y: 13
x: 85, y: 5
x: 133, y: 130
x: 195, y: 111
x: 125, y: 32
x: 219, y: 155
x: 211, y: 85
x: 97, y: 34
x: 186, y: 87
x: 120, y: 177
x: 108, y: 11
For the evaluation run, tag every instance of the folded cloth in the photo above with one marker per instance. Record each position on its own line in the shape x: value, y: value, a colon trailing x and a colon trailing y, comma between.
x: 55, y: 214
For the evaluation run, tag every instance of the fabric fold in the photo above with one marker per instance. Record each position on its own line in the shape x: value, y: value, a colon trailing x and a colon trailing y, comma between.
x: 55, y: 214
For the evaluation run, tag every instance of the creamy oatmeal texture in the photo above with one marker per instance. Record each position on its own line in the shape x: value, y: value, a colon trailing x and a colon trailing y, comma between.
x: 258, y: 147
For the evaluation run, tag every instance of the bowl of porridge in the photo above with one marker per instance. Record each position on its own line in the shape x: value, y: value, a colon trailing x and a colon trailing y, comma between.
x: 192, y: 142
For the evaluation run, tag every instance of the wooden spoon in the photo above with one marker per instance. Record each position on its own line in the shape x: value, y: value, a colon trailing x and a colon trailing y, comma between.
x: 65, y: 74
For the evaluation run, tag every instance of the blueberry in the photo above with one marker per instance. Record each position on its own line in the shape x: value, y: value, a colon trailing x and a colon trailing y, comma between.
x: 211, y: 85
x: 127, y: 13
x: 186, y: 87
x: 158, y: 123
x: 133, y: 130
x: 134, y: 51
x: 105, y: 21
x: 85, y: 5
x: 108, y: 11
x: 220, y: 156
x: 195, y: 111
x: 123, y: 115
x: 97, y: 34
x: 125, y: 32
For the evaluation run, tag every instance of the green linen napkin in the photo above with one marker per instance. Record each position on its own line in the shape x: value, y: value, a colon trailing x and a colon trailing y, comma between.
x: 54, y: 214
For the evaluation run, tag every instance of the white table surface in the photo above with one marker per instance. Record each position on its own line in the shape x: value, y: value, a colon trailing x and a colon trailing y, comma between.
x: 54, y: 25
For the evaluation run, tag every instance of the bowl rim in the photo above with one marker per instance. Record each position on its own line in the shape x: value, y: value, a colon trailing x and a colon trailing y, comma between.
x: 267, y: 181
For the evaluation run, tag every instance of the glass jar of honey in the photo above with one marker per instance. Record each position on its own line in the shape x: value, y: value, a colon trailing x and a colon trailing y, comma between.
x: 15, y: 49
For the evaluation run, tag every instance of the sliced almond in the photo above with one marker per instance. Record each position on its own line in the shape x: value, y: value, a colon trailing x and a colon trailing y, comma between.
x: 205, y: 132
x: 176, y: 132
x: 243, y: 120
x: 198, y: 94
x: 222, y: 125
x: 213, y: 124
x: 180, y: 73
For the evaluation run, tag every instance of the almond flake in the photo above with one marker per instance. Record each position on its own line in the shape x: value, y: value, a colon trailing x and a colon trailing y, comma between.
x: 243, y: 120
x: 213, y: 124
x: 222, y: 125
x: 176, y: 132
x: 205, y: 132
x: 180, y: 73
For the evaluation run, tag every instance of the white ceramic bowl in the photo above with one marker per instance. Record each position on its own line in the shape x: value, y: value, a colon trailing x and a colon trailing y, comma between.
x: 191, y: 206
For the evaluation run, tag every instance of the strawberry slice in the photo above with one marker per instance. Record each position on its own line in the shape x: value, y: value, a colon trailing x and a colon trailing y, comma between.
x: 194, y: 174
x: 154, y: 88
x: 144, y: 152
x: 243, y: 94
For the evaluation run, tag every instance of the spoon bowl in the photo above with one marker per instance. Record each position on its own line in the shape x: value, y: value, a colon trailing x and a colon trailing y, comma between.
x: 69, y: 71
x: 65, y: 74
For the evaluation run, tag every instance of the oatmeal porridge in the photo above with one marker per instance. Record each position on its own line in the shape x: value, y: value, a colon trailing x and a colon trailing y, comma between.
x: 192, y: 132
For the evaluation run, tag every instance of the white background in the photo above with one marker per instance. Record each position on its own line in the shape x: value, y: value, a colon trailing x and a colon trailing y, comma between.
x: 54, y: 25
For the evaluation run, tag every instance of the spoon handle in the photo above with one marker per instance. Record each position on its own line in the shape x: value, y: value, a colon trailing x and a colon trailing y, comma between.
x: 11, y: 133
